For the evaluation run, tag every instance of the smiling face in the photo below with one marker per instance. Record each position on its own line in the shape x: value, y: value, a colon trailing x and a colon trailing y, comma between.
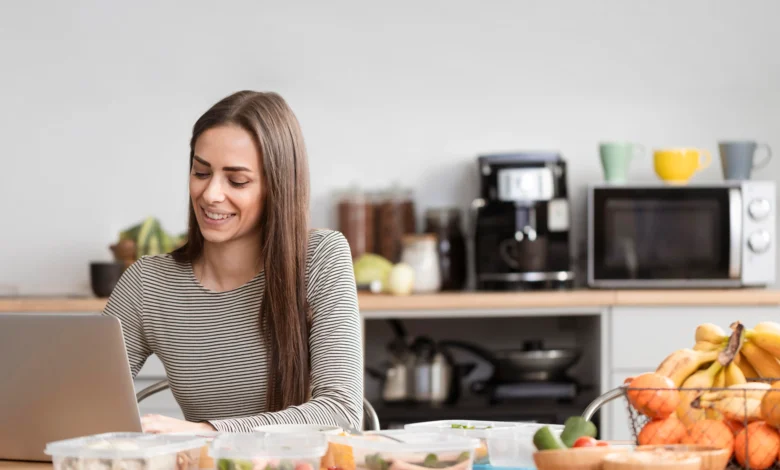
x: 226, y: 184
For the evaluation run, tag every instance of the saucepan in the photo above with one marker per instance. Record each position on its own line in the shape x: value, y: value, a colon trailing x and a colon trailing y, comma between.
x: 532, y: 363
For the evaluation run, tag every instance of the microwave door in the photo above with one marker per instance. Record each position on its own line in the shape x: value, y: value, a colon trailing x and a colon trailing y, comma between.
x: 665, y: 238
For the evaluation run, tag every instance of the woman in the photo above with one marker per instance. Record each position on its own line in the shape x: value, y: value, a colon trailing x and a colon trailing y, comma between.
x: 255, y: 318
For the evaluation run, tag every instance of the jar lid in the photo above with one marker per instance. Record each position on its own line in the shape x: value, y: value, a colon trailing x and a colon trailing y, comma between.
x: 443, y: 215
x: 418, y: 237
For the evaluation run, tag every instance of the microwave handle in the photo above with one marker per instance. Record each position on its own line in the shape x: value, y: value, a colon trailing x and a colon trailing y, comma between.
x: 735, y: 233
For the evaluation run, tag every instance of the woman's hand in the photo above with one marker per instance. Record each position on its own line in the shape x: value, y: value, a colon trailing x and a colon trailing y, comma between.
x: 157, y: 424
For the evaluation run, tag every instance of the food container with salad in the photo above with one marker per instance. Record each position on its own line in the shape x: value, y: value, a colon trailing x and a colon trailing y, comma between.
x: 264, y: 451
x: 127, y: 451
x: 206, y: 461
x: 472, y: 429
x: 407, y: 450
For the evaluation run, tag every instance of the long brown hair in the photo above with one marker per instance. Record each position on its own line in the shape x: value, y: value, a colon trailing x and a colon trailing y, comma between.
x: 284, y: 234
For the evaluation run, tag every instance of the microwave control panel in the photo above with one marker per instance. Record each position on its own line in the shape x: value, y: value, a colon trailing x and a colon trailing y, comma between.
x: 759, y: 237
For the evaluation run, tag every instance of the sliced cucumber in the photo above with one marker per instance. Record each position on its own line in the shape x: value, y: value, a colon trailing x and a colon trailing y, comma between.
x: 545, y: 439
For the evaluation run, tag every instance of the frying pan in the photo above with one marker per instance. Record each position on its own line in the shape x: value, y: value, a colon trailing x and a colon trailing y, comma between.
x: 532, y: 363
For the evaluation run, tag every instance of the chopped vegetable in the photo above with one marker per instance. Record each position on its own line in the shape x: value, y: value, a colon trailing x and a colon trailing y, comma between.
x: 376, y: 462
x: 545, y: 439
x: 466, y: 426
x: 576, y: 427
x: 585, y: 441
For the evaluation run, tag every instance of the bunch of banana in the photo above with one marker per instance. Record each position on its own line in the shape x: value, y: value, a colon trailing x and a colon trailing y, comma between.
x: 714, y: 375
x: 741, y: 402
x: 691, y: 389
x: 712, y: 347
x: 761, y: 349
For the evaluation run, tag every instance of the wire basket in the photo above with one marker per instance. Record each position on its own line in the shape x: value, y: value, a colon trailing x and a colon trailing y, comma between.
x: 724, y: 418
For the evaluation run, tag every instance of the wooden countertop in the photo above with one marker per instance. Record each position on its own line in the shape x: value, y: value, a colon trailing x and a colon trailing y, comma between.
x: 13, y: 465
x: 475, y: 300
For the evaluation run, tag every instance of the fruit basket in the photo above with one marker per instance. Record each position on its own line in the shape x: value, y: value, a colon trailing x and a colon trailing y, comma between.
x: 725, y: 398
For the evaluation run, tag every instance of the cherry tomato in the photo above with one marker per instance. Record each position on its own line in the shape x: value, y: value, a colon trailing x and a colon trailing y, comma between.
x: 585, y: 441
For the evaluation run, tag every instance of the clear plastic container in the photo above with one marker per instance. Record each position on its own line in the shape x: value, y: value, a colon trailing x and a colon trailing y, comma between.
x: 374, y: 451
x: 514, y: 447
x: 472, y: 429
x: 206, y: 458
x: 127, y: 451
x: 263, y: 451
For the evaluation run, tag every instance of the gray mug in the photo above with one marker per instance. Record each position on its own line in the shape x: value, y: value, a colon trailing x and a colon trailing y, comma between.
x: 737, y: 158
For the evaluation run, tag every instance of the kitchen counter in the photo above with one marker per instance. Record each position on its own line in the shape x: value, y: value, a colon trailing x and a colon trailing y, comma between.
x: 374, y: 303
x: 12, y: 465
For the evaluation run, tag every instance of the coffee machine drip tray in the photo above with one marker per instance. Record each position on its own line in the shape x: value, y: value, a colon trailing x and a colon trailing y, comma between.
x: 527, y: 280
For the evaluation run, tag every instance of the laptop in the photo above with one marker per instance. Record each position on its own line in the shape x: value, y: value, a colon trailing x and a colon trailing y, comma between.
x: 62, y: 376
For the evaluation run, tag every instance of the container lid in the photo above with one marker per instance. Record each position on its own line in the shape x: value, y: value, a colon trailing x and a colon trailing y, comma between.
x: 411, y: 441
x: 124, y: 445
x: 462, y: 427
x: 248, y: 446
x: 298, y: 428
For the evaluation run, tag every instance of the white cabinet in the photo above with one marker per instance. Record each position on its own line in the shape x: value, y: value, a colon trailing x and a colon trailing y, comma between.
x: 643, y: 336
x: 616, y: 423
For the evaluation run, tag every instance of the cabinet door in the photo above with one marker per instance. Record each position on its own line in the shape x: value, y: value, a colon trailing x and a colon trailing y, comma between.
x: 616, y: 412
x: 643, y: 336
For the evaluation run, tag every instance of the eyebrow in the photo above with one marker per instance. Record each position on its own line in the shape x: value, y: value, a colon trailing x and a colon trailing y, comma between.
x: 225, y: 168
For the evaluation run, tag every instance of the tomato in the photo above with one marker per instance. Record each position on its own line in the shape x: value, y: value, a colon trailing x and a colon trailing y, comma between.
x: 585, y: 441
x: 602, y: 444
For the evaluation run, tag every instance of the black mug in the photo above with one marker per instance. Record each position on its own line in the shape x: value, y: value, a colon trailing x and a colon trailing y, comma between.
x: 104, y: 275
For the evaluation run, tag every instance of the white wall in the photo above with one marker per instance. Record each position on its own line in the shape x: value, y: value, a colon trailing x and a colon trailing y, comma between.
x: 97, y: 99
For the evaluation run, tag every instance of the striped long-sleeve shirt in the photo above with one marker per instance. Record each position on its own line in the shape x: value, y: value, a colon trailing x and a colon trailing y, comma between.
x: 214, y: 352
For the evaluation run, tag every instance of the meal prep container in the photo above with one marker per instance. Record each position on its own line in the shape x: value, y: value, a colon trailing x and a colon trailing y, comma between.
x: 258, y: 451
x: 332, y: 458
x: 471, y: 429
x: 206, y: 458
x: 374, y: 451
x: 514, y: 447
x: 298, y: 428
x: 127, y: 451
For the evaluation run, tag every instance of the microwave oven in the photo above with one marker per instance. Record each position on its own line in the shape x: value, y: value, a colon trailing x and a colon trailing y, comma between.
x: 694, y: 236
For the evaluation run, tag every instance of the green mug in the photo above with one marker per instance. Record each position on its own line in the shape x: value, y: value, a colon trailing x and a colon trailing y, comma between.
x: 616, y: 159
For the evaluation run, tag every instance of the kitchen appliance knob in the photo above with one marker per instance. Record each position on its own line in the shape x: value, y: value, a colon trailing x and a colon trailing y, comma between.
x: 758, y: 242
x: 759, y: 209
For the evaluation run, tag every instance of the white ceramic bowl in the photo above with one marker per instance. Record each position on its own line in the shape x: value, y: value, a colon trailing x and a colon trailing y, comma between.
x: 298, y: 429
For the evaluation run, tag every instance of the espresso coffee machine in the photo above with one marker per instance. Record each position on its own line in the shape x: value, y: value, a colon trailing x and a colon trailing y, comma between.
x: 522, y: 223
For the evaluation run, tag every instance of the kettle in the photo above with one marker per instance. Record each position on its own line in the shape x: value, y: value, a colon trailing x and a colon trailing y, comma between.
x: 397, y: 378
x: 437, y: 378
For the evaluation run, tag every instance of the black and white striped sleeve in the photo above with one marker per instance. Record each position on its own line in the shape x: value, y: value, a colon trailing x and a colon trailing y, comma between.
x: 126, y: 304
x: 335, y: 342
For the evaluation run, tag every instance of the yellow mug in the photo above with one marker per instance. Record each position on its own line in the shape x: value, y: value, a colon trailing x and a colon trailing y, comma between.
x: 678, y: 165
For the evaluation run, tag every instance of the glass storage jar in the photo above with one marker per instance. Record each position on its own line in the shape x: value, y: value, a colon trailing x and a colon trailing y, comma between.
x: 419, y: 252
x: 445, y: 223
x: 356, y: 221
x: 395, y: 218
